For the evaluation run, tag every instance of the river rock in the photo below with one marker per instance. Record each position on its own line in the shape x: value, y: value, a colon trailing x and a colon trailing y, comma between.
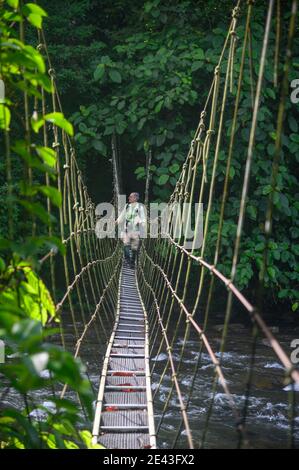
x: 274, y: 329
x: 236, y: 326
x: 232, y: 327
x: 218, y: 327
x: 266, y: 342
x: 264, y: 383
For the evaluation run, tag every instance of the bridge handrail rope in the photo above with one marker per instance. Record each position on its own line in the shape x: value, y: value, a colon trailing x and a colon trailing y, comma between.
x: 181, y: 194
x: 169, y: 349
x: 91, y: 257
x: 95, y: 314
x: 92, y: 266
x: 207, y: 141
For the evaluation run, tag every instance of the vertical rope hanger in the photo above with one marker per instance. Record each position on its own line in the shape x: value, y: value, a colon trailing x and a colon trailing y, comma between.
x: 162, y: 264
x: 169, y: 316
x: 242, y: 212
x: 269, y: 212
x: 225, y: 190
x: 248, y: 167
x: 206, y: 150
x: 47, y: 180
x: 152, y: 267
x: 84, y: 248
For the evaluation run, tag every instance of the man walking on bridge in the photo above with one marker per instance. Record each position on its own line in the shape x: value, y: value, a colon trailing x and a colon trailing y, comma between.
x: 134, y: 220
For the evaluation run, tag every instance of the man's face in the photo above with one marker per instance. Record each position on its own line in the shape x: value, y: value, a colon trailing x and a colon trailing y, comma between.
x: 132, y: 198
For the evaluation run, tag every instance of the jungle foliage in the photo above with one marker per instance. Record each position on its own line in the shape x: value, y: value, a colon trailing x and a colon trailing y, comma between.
x: 142, y: 70
x: 35, y: 365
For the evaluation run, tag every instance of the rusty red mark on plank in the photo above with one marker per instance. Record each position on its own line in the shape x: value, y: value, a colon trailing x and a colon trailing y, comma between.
x: 123, y: 374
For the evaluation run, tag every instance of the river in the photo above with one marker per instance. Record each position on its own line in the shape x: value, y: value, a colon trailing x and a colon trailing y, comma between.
x: 267, y: 422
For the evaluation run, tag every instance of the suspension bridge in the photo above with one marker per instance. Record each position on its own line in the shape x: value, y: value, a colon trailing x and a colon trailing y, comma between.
x: 139, y: 314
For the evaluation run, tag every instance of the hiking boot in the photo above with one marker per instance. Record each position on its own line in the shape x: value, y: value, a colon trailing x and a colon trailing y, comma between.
x: 127, y: 254
x: 133, y: 260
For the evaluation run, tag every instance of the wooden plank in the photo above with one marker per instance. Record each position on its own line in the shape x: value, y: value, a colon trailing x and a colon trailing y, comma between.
x: 124, y: 414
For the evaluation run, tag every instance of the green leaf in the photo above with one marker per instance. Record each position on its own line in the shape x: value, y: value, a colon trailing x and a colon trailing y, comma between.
x: 26, y: 426
x: 34, y: 14
x: 35, y: 20
x: 163, y: 179
x: 140, y: 169
x: 39, y: 79
x: 252, y: 211
x: 141, y: 123
x: 13, y: 3
x: 294, y: 138
x: 5, y: 117
x: 20, y: 148
x: 4, y: 244
x: 158, y: 106
x: 12, y: 16
x: 293, y: 124
x: 195, y: 66
x: 100, y: 146
x: 271, y: 149
x: 160, y: 139
x: 87, y: 438
x: 271, y: 272
x: 57, y: 119
x: 267, y: 189
x: 115, y: 75
x: 60, y: 121
x: 45, y: 302
x: 99, y: 72
x: 35, y: 58
x: 148, y: 6
x: 232, y: 172
x: 38, y: 210
x: 34, y: 8
x: 198, y: 54
x: 259, y: 246
x: 270, y: 93
x: 47, y: 154
x: 276, y: 255
x: 174, y: 168
x: 52, y: 193
x: 2, y: 264
x: 37, y: 123
x: 120, y: 127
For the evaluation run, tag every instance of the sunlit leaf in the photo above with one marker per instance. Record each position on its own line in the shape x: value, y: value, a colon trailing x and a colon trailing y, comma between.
x: 60, y: 121
x: 52, y: 193
x: 13, y: 3
x: 34, y: 14
x: 163, y: 179
x: 35, y: 208
x: 99, y: 72
x: 47, y: 154
x: 115, y: 75
x: 5, y: 117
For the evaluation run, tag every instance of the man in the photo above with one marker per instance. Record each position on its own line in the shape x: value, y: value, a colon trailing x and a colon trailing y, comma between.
x: 134, y: 219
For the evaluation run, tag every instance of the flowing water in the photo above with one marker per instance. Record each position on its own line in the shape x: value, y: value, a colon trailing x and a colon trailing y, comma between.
x: 267, y: 417
x: 267, y: 421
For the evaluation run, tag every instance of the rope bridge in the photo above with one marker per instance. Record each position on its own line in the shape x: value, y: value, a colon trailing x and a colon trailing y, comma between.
x: 137, y: 316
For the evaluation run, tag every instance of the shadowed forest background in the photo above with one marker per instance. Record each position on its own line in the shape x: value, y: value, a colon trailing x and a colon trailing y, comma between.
x: 80, y: 75
x: 122, y: 67
x: 139, y: 70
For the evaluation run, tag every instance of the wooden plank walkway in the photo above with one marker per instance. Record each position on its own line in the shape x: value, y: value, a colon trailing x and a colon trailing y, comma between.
x: 124, y: 409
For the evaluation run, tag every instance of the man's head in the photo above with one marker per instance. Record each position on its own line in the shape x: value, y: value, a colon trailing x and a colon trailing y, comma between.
x: 134, y: 197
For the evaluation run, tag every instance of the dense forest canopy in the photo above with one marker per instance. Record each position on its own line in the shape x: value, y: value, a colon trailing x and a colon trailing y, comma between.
x: 139, y: 72
x: 123, y: 68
